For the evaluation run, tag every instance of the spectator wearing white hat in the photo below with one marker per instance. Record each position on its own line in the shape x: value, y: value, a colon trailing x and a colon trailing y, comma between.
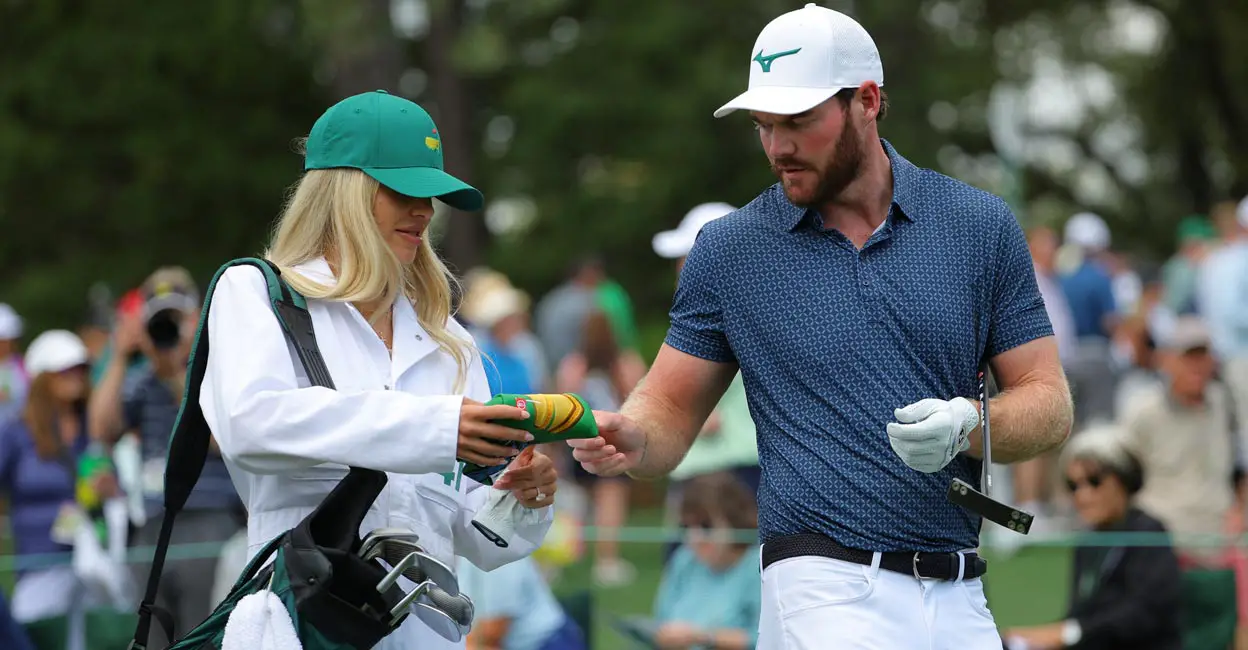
x: 39, y: 453
x: 1089, y: 291
x: 13, y: 379
x: 1223, y: 301
x: 728, y: 441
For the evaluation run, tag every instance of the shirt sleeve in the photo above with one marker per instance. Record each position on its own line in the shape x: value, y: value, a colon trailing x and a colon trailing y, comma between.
x: 499, y: 593
x: 697, y: 316
x: 665, y: 600
x: 266, y: 423
x: 1018, y: 312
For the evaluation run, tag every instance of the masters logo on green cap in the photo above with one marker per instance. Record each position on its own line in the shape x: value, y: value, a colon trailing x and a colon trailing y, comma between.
x: 394, y: 141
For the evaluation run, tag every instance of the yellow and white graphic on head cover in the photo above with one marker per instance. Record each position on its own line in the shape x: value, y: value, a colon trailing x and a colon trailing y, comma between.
x: 555, y: 413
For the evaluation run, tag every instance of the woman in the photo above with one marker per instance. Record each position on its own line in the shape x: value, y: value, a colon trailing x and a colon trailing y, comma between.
x: 711, y: 590
x: 1121, y: 597
x: 39, y: 454
x: 409, y: 383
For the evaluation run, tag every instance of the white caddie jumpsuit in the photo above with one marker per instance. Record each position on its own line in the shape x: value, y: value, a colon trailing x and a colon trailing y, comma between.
x: 287, y: 443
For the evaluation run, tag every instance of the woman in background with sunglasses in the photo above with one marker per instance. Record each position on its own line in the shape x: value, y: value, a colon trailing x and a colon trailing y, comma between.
x: 1121, y: 596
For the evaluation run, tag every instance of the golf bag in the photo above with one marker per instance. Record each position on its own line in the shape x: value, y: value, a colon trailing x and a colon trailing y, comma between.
x: 330, y: 593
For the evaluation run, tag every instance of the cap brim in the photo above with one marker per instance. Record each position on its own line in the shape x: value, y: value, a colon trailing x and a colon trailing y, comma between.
x: 780, y: 100
x: 672, y: 244
x: 429, y: 183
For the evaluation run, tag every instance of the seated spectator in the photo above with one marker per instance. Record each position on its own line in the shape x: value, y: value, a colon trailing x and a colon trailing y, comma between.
x: 515, y: 610
x: 1121, y: 596
x: 711, y: 590
x: 39, y: 454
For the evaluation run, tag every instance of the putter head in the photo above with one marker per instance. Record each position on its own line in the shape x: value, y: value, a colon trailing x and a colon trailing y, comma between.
x: 425, y: 567
x: 961, y: 493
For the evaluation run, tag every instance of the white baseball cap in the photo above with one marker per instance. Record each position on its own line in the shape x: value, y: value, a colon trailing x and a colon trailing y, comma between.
x: 1088, y: 231
x: 54, y: 351
x: 677, y: 243
x: 804, y: 57
x: 10, y: 323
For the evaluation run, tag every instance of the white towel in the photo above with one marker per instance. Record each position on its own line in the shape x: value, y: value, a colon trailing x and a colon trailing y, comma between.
x: 260, y: 622
x: 503, y: 513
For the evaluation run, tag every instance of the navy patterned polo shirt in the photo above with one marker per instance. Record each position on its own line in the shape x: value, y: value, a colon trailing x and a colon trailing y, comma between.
x: 831, y: 339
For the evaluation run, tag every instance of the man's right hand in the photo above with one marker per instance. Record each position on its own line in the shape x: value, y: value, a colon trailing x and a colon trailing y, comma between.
x: 617, y: 449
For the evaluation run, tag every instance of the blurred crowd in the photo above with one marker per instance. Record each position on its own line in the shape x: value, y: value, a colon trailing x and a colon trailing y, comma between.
x: 1156, y: 355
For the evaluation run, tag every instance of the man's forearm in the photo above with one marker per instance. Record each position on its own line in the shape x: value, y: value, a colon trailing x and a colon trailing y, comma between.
x: 669, y: 432
x: 1027, y: 421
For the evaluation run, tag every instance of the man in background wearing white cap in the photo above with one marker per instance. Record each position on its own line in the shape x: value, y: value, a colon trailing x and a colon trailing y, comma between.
x: 1089, y: 291
x: 1223, y: 300
x: 13, y: 380
x: 859, y: 298
x: 728, y: 441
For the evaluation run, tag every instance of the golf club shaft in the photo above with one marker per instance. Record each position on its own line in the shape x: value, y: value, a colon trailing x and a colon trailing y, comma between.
x: 986, y: 479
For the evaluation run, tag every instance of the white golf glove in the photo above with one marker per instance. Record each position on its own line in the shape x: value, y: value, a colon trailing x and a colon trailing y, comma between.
x: 930, y: 432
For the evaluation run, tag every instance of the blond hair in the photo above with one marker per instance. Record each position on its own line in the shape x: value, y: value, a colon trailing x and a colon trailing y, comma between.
x: 329, y: 213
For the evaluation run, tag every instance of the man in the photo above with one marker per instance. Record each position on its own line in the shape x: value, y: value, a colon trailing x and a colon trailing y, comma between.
x: 1089, y: 291
x: 1185, y: 438
x: 1223, y: 300
x: 146, y: 402
x: 858, y: 297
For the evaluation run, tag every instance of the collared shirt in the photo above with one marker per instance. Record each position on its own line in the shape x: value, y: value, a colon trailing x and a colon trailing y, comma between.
x: 831, y: 339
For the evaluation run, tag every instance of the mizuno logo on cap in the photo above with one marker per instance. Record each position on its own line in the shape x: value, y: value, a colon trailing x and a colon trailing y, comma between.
x: 765, y: 61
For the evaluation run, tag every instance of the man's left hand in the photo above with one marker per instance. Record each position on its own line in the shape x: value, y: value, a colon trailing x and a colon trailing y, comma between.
x: 531, y: 478
x: 930, y: 432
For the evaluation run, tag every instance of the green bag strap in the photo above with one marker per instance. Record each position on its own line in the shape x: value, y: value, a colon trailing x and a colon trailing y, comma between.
x: 188, y: 442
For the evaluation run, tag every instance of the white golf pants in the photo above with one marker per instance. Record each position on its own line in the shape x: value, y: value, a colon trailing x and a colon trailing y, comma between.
x: 816, y: 603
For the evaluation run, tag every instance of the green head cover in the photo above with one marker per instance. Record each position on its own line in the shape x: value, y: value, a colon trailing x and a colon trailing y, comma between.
x: 552, y: 417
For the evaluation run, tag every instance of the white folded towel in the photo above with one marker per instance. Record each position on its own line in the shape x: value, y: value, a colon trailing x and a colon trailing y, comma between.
x: 260, y: 622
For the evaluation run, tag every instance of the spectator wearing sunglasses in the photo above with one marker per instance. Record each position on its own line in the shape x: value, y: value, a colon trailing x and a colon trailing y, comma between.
x: 1187, y: 440
x: 1121, y: 596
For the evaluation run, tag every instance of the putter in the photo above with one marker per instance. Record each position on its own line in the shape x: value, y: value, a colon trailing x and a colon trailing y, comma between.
x: 982, y: 503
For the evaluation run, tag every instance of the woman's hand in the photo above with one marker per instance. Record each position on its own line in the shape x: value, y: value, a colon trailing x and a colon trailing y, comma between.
x: 531, y: 478
x: 479, y: 438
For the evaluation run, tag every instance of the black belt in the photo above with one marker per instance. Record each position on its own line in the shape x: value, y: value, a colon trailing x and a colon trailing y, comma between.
x: 938, y: 566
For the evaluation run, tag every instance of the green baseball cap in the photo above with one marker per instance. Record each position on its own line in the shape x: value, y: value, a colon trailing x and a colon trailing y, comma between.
x: 391, y: 139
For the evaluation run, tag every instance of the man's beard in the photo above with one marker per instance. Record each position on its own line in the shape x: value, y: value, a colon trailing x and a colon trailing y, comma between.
x: 841, y: 169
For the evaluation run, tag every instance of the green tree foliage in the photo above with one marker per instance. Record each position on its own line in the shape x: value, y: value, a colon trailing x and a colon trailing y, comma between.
x: 134, y: 134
